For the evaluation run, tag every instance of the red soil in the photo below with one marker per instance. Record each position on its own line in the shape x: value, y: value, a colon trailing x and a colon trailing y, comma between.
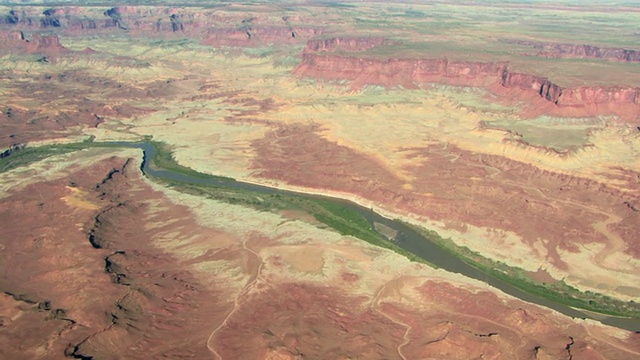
x: 125, y: 299
x: 488, y: 191
x: 93, y: 281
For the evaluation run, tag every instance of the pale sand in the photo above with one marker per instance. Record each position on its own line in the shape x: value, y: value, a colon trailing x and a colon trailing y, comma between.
x: 313, y: 254
x: 376, y: 122
x: 507, y: 247
x: 57, y: 167
x: 321, y: 256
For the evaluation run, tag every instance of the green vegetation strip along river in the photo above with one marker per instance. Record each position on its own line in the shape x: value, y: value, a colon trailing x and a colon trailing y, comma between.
x: 348, y: 218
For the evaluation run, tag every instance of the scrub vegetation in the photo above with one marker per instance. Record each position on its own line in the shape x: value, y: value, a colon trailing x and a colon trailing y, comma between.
x: 343, y: 219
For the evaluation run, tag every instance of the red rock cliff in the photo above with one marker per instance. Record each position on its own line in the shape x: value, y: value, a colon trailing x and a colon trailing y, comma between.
x: 545, y: 88
x: 49, y: 42
x: 255, y: 35
x: 393, y: 72
x: 408, y: 73
x: 345, y: 44
x: 582, y: 51
x: 9, y: 38
x: 226, y: 29
x: 16, y: 42
x: 599, y: 95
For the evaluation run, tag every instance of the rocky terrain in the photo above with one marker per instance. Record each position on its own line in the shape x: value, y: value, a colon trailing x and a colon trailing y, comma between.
x: 16, y: 42
x: 582, y: 51
x: 524, y: 151
x: 119, y: 267
x: 216, y: 29
x: 409, y: 73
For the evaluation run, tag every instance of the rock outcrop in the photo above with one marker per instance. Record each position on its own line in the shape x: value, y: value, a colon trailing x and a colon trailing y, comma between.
x: 16, y: 42
x: 48, y: 42
x: 345, y: 44
x: 547, y: 90
x: 75, y: 19
x: 50, y: 19
x: 11, y: 18
x: 599, y: 95
x: 8, y: 38
x: 396, y: 72
x: 253, y: 35
x: 212, y: 28
x: 582, y: 51
x: 318, y: 62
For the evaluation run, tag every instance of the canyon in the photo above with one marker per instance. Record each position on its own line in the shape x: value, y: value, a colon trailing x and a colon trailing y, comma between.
x: 512, y: 144
x: 214, y: 30
x: 582, y: 51
x: 158, y: 293
x: 150, y: 21
x: 409, y: 73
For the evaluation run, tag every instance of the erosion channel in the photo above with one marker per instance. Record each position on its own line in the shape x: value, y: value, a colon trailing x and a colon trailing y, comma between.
x: 406, y: 238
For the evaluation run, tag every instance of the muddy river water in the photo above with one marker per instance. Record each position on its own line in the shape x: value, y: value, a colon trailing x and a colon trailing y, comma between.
x: 406, y: 238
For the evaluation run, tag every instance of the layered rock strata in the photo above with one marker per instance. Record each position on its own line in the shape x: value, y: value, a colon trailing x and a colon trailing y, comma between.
x: 581, y: 51
x: 409, y: 73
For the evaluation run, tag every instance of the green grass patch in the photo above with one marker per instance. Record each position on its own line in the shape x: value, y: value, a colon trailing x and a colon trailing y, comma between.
x: 29, y: 155
x: 339, y: 217
x: 344, y: 219
x: 331, y: 4
x: 561, y: 134
x: 558, y: 292
x: 164, y: 160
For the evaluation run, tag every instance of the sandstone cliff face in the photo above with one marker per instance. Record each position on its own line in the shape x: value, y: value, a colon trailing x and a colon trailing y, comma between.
x: 587, y: 51
x: 49, y: 42
x: 408, y: 73
x: 392, y: 72
x: 345, y: 44
x: 15, y: 41
x: 598, y: 95
x: 582, y: 51
x: 8, y: 38
x: 547, y: 90
x: 246, y: 36
x: 50, y: 19
x: 213, y: 28
x: 73, y: 19
x: 91, y: 24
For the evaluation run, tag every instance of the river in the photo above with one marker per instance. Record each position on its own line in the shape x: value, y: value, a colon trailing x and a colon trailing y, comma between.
x: 407, y: 239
